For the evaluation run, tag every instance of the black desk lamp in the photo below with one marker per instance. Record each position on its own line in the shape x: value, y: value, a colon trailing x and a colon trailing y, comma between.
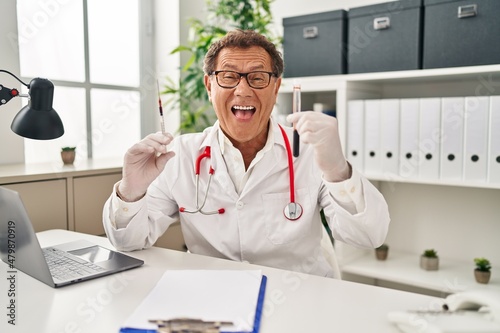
x: 37, y: 120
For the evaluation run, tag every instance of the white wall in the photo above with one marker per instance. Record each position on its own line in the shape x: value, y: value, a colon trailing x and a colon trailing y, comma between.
x: 171, y: 30
x: 461, y: 223
x: 11, y: 145
x: 167, y: 27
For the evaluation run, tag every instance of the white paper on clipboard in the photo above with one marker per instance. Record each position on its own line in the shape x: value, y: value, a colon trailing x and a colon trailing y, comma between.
x: 210, y: 295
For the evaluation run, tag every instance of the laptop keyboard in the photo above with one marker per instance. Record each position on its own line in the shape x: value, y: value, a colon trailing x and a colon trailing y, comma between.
x: 64, y: 266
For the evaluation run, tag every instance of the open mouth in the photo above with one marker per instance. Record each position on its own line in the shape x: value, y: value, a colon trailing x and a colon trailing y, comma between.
x: 243, y: 112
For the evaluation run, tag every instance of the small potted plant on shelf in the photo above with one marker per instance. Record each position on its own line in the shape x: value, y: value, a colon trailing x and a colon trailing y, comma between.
x: 429, y: 260
x: 68, y: 155
x: 482, y: 272
x: 381, y: 252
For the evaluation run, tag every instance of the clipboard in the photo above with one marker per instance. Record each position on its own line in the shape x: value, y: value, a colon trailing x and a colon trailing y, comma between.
x: 203, y: 308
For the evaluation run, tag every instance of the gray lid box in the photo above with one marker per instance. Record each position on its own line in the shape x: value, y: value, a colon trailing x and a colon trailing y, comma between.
x: 385, y: 37
x: 314, y: 44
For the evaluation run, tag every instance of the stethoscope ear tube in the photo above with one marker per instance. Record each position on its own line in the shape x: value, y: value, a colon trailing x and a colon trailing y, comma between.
x: 199, y: 208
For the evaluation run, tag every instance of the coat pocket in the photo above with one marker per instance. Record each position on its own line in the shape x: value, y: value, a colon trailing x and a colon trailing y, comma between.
x: 279, y: 229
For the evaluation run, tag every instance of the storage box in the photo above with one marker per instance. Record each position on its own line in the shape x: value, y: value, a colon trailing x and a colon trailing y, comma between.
x: 461, y: 33
x: 313, y: 44
x: 385, y: 37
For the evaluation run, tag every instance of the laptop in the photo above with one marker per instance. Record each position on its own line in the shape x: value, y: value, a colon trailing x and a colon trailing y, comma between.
x: 58, y: 265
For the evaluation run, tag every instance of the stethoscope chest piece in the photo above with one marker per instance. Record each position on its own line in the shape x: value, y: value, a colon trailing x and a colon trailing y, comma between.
x: 293, y: 211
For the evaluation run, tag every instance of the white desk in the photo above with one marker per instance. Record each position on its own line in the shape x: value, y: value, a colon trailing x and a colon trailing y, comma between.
x: 294, y: 302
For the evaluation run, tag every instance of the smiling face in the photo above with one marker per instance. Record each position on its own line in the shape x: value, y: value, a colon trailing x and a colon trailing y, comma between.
x: 243, y: 112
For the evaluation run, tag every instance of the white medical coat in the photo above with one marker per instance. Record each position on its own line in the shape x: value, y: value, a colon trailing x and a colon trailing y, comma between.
x: 253, y: 228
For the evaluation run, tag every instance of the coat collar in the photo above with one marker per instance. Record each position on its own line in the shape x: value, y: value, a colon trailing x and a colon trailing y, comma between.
x: 215, y: 136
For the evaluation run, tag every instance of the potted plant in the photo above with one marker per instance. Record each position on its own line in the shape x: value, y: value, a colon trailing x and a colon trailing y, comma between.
x: 189, y: 93
x: 68, y: 154
x: 482, y: 272
x: 381, y: 252
x: 429, y: 260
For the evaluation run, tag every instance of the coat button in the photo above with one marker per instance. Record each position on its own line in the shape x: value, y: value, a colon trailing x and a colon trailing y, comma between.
x: 240, y: 205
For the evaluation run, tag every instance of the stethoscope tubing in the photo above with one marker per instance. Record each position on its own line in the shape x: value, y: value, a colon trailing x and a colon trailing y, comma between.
x: 292, y: 211
x: 291, y: 173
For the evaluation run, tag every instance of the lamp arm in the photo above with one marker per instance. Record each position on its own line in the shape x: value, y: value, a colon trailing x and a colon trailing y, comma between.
x: 6, y: 94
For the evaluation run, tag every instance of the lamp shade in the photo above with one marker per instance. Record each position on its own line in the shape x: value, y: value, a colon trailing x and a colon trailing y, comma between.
x: 38, y: 120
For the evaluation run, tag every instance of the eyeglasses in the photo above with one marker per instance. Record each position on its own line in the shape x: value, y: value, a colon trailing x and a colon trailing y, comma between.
x: 230, y: 79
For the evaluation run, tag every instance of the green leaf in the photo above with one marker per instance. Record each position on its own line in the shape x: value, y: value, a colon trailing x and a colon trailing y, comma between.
x: 180, y: 48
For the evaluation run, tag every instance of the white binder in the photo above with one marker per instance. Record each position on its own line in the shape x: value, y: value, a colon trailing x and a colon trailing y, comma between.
x: 476, y: 138
x: 389, y: 137
x: 372, y: 159
x: 429, y: 138
x: 494, y: 141
x: 355, y: 134
x: 408, y: 145
x: 452, y: 146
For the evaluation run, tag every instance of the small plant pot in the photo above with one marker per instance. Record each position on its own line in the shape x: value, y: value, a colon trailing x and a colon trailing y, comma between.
x: 481, y: 276
x: 68, y: 157
x: 381, y: 254
x: 429, y: 264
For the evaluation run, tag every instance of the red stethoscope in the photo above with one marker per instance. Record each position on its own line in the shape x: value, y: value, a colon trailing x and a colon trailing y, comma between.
x: 292, y: 211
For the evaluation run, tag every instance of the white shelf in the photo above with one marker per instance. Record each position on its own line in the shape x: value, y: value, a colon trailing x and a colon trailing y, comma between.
x: 427, y: 75
x: 400, y: 267
x: 459, y: 183
x: 334, y: 82
x: 315, y: 83
x: 29, y: 172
